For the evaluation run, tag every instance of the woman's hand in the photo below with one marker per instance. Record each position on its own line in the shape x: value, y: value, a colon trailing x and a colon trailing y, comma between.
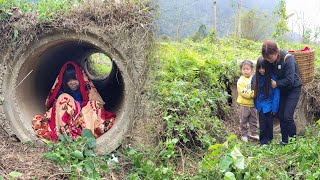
x: 273, y: 83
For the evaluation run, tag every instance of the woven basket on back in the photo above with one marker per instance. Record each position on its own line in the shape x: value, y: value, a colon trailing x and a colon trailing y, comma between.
x: 305, y: 61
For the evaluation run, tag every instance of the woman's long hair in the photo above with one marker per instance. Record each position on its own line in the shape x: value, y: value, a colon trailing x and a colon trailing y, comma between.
x: 262, y: 63
x: 69, y: 73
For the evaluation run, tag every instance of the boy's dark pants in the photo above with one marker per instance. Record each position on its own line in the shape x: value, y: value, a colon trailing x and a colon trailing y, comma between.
x: 288, y: 102
x: 266, y: 127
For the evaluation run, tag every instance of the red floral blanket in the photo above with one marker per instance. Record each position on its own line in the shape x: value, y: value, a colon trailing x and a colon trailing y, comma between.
x: 66, y: 116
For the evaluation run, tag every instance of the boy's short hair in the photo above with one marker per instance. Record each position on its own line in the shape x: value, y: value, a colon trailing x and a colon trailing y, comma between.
x: 246, y: 62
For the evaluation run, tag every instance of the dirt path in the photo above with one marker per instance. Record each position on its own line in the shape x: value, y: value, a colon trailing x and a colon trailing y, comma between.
x: 26, y: 159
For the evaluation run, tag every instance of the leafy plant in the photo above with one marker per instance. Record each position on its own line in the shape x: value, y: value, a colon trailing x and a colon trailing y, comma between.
x: 77, y: 156
x: 281, y: 25
x: 153, y: 164
x: 6, y: 6
x: 224, y: 160
x: 45, y: 9
x: 14, y: 174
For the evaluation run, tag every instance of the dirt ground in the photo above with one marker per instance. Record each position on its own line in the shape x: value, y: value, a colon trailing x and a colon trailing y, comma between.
x: 26, y: 159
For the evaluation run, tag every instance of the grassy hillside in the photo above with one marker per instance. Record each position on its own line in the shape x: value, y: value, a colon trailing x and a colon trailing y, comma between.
x: 189, y: 88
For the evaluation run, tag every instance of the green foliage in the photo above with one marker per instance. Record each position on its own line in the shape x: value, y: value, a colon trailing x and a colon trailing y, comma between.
x: 223, y: 161
x: 191, y: 87
x: 14, y: 175
x: 99, y: 65
x: 7, y: 5
x: 189, y: 91
x: 45, y: 9
x: 317, y: 64
x: 256, y: 26
x: 77, y: 156
x: 307, y: 35
x: 200, y: 34
x: 297, y: 160
x: 23, y: 5
x: 281, y: 25
x: 213, y: 37
x: 153, y: 163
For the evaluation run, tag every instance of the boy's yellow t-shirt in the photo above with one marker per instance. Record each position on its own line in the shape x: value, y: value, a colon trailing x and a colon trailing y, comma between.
x: 245, y: 94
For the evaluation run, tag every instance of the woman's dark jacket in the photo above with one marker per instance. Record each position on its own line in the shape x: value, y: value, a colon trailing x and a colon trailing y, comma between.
x: 287, y: 72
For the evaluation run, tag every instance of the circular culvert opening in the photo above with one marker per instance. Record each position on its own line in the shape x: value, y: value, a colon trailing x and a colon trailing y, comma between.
x: 35, y: 69
x: 98, y: 66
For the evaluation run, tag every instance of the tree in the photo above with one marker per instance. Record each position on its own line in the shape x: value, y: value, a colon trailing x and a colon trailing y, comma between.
x: 305, y: 30
x: 316, y: 34
x: 307, y: 35
x: 255, y: 26
x: 282, y: 24
x: 200, y: 34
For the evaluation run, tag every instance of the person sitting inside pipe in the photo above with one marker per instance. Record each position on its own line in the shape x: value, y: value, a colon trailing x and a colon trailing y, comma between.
x: 73, y: 104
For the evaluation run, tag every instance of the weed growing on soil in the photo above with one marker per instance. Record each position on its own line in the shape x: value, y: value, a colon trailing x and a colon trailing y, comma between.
x: 159, y: 167
x: 46, y: 9
x: 297, y: 160
x: 12, y: 175
x: 232, y: 160
x: 76, y: 157
x: 223, y: 160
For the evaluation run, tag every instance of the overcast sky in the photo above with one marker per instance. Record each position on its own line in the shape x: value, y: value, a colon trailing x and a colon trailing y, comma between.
x: 309, y: 10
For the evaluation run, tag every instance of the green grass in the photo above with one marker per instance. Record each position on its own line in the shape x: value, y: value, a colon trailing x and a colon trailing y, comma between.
x: 99, y: 65
x: 297, y: 160
x: 188, y: 89
x: 45, y: 9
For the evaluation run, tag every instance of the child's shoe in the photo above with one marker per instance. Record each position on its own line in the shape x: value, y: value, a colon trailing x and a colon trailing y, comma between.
x: 244, y: 138
x: 255, y: 137
x: 283, y: 143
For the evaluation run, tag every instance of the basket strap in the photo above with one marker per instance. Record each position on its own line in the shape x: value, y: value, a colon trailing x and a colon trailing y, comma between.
x: 284, y: 61
x: 285, y: 57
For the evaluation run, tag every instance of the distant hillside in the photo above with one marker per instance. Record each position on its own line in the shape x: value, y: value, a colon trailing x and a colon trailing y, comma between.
x: 182, y: 18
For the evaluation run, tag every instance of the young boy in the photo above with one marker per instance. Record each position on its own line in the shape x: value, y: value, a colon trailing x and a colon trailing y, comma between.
x: 247, y: 111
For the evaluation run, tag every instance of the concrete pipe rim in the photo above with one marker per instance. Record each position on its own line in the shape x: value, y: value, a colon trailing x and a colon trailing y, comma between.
x: 27, y: 63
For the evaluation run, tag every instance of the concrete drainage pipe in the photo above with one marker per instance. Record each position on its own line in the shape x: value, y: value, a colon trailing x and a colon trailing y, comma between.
x: 32, y: 72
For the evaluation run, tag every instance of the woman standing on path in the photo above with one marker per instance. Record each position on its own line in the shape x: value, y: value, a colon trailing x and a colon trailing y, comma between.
x: 284, y: 66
